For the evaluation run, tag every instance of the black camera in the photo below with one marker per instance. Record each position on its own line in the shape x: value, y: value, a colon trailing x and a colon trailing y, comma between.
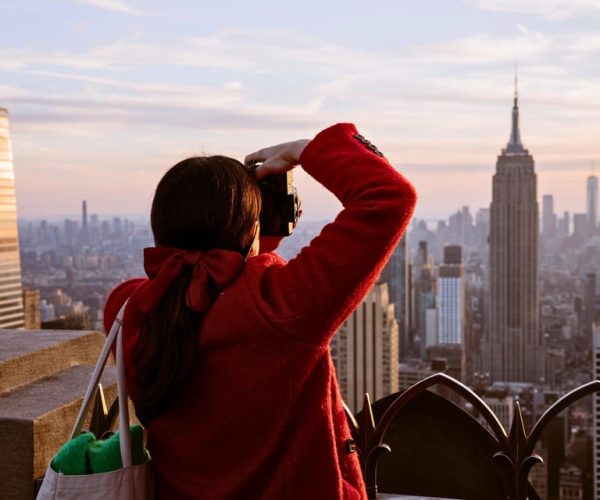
x: 280, y: 204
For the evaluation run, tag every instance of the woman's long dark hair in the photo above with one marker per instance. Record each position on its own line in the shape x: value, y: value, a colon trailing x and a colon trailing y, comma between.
x: 200, y: 204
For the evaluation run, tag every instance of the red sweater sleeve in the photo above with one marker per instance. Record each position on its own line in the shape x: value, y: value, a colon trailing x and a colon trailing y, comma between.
x: 310, y: 296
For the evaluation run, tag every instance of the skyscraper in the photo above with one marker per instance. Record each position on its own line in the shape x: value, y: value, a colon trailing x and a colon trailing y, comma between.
x: 589, y: 304
x: 514, y: 346
x: 592, y: 204
x: 366, y: 348
x: 548, y: 217
x: 84, y: 216
x: 424, y: 299
x: 451, y: 313
x: 31, y: 308
x: 451, y: 298
x: 396, y: 275
x: 580, y: 227
x: 11, y: 298
x: 564, y: 225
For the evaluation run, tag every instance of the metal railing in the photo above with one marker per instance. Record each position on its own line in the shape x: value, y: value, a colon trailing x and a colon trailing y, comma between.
x: 511, y: 454
x: 503, y: 473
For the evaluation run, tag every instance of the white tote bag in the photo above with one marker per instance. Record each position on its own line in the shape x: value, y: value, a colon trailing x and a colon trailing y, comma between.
x: 132, y: 482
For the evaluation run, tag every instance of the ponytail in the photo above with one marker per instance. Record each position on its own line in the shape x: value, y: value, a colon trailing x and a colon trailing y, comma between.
x: 165, y: 351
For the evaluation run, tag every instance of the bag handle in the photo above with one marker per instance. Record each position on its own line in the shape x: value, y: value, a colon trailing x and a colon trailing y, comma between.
x: 124, y: 431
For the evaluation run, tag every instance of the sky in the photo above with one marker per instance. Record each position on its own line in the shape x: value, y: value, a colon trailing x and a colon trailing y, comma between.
x: 105, y: 95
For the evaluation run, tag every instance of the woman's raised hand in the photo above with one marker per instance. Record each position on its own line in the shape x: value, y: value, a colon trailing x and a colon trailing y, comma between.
x: 277, y: 159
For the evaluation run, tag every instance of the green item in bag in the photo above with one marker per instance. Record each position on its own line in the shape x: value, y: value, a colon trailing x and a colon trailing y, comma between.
x: 104, y: 455
x: 85, y: 454
x: 71, y: 459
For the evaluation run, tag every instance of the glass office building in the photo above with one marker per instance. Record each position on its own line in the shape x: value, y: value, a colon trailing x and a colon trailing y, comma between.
x: 11, y: 297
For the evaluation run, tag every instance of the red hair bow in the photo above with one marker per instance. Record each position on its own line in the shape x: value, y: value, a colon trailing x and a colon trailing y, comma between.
x: 212, y: 271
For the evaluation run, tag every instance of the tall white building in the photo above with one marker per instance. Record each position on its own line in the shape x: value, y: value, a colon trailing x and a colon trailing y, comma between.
x: 451, y: 298
x: 366, y: 350
x: 592, y: 204
x: 548, y: 217
x: 11, y: 293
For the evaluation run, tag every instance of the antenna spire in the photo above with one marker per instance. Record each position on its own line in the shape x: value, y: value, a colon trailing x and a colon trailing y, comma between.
x: 514, y: 143
x: 516, y: 81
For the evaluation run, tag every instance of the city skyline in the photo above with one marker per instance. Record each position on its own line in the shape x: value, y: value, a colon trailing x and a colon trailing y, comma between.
x: 69, y: 267
x: 111, y: 93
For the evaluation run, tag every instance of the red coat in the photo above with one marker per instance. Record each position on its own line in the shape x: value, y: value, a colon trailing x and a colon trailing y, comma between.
x: 262, y: 415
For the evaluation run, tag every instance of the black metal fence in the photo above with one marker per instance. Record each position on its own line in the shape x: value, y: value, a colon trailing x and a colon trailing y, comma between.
x: 419, y: 443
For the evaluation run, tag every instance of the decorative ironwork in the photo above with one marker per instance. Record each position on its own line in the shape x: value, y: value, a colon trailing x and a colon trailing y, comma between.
x: 514, y: 456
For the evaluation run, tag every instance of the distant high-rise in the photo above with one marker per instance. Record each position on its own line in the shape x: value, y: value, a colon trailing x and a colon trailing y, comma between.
x: 366, y: 350
x: 84, y: 216
x: 592, y: 204
x: 31, y: 307
x: 451, y: 298
x: 548, y: 217
x: 571, y: 485
x: 564, y: 225
x: 424, y: 300
x: 513, y: 351
x: 422, y: 255
x: 589, y: 304
x: 482, y: 230
x: 11, y: 298
x: 450, y: 340
x: 580, y: 227
x: 396, y: 275
x: 460, y: 226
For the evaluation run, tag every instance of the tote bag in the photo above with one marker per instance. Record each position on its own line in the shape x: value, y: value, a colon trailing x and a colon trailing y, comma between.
x: 131, y: 482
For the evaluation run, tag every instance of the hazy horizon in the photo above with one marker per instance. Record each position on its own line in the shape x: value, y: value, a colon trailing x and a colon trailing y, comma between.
x: 105, y: 95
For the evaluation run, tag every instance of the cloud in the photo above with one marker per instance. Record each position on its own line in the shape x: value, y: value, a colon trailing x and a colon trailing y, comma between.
x: 114, y: 5
x: 485, y: 49
x: 549, y: 10
x: 318, y: 77
x: 262, y: 53
x: 273, y: 80
x: 230, y: 91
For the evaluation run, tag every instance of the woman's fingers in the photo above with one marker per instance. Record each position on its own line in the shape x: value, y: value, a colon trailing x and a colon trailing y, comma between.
x: 291, y: 151
x: 263, y: 155
x: 271, y: 166
x: 256, y: 157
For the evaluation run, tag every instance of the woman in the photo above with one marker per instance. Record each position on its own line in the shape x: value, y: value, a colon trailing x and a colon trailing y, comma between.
x: 227, y: 347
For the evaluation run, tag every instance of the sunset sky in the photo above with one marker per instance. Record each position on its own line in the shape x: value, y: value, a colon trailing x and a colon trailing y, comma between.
x: 105, y: 95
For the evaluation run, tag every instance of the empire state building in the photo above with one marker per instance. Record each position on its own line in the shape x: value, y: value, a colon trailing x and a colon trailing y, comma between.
x: 515, y: 348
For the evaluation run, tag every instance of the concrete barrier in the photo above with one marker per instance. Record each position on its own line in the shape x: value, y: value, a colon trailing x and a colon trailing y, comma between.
x: 43, y: 376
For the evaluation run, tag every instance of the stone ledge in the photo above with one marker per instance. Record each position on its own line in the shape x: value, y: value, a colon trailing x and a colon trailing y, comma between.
x: 36, y: 419
x: 30, y: 355
x: 33, y: 401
